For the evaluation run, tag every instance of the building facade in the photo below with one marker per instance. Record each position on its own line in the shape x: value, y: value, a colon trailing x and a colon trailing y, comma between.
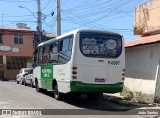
x: 142, y: 68
x: 16, y: 49
x: 147, y: 18
x: 143, y: 54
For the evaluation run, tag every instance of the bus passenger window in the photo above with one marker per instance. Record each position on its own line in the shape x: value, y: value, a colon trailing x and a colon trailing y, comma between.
x: 34, y: 59
x: 45, y: 55
x: 65, y: 52
x: 53, y: 53
x: 40, y: 53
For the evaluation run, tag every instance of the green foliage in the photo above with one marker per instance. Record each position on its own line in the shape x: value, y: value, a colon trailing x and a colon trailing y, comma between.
x: 143, y: 101
x: 127, y: 94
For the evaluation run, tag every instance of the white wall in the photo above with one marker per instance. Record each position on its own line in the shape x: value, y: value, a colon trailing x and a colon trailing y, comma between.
x: 141, y: 68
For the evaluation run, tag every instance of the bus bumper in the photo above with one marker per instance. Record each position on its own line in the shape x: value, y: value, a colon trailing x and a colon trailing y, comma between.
x: 103, y: 88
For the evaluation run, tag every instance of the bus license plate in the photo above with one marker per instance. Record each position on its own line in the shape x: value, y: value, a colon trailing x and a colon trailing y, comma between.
x: 99, y: 80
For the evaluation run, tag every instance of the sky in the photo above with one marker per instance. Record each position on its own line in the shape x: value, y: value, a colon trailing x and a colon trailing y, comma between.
x: 110, y: 15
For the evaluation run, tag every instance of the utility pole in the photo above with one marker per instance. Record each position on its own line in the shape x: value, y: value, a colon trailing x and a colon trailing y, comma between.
x: 58, y: 18
x: 39, y: 28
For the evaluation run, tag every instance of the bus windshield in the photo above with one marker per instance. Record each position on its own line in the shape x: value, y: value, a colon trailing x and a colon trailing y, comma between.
x: 100, y: 45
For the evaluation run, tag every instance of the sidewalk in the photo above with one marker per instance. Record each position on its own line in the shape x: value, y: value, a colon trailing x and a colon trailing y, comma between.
x: 118, y: 97
x: 114, y: 95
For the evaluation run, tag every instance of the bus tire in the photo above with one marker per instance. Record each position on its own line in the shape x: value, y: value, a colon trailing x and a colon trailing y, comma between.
x: 22, y: 82
x: 57, y: 94
x: 32, y: 86
x: 37, y: 87
x: 25, y: 83
x: 17, y: 82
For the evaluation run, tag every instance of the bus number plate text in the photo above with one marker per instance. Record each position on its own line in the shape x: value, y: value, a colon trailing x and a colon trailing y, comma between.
x: 113, y: 62
x: 99, y: 80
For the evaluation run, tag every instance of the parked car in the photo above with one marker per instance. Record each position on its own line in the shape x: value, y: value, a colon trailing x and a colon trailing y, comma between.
x: 28, y: 79
x: 21, y: 75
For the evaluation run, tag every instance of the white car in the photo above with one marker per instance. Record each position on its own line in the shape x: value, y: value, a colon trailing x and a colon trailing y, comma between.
x: 28, y: 79
x: 21, y: 75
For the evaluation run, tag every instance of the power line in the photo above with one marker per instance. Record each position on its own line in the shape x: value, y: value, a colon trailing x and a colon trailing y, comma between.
x: 113, y: 10
x: 16, y: 21
x: 6, y: 15
x: 97, y: 11
x: 99, y: 18
x: 128, y: 30
x: 49, y: 15
x: 52, y: 28
x: 16, y: 1
x: 46, y: 5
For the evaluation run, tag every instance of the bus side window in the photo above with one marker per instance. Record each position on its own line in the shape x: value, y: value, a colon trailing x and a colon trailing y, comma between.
x: 35, y: 58
x: 69, y: 52
x: 53, y: 53
x: 40, y: 54
x: 65, y: 50
x: 60, y: 45
x: 45, y: 55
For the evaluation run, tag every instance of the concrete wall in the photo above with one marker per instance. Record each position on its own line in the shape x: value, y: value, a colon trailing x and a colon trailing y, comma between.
x: 141, y: 68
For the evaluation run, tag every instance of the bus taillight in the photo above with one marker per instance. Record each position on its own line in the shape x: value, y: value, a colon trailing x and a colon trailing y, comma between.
x: 74, y: 77
x: 74, y: 68
x: 123, y: 74
x: 74, y: 72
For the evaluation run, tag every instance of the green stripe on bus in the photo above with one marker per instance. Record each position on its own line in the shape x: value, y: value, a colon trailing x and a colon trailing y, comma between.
x: 47, y: 76
x: 104, y: 88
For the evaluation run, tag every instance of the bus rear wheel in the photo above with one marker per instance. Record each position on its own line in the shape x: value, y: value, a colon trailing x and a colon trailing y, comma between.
x: 57, y: 94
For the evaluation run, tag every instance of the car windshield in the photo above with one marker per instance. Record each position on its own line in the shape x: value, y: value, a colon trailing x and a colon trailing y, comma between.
x: 27, y: 70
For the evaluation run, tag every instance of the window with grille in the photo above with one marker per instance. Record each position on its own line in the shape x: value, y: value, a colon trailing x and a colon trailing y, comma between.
x: 16, y: 63
x: 18, y: 38
x: 1, y: 40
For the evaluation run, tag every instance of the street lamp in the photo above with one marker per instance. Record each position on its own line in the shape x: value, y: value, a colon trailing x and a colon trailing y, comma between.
x: 28, y: 10
x: 39, y: 29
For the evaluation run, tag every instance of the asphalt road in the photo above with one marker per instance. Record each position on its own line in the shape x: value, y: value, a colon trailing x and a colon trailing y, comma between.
x: 15, y: 96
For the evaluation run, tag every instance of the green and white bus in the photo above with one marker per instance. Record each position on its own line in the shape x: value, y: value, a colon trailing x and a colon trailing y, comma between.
x: 91, y: 62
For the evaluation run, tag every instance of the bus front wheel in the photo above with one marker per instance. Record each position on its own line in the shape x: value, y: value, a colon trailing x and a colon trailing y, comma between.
x: 57, y: 94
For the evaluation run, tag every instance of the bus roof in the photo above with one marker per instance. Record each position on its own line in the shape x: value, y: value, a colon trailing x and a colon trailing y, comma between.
x: 46, y: 42
x: 74, y: 31
x: 87, y: 30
